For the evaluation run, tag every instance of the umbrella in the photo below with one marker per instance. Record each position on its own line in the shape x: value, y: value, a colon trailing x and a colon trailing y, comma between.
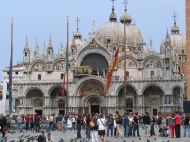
x: 71, y: 113
x: 34, y: 113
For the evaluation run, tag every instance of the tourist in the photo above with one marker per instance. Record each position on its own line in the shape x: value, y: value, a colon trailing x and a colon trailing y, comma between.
x: 59, y: 122
x: 73, y: 119
x: 3, y: 123
x: 135, y: 124
x: 37, y: 122
x: 101, y: 122
x: 177, y: 125
x: 42, y: 137
x: 119, y: 123
x: 31, y: 119
x: 171, y: 124
x: 126, y: 124
x: 49, y: 137
x: 110, y: 123
x: 130, y: 124
x: 79, y: 123
x: 146, y: 121
x: 93, y: 128
x: 26, y: 119
x: 88, y: 126
x: 186, y: 125
x: 19, y: 122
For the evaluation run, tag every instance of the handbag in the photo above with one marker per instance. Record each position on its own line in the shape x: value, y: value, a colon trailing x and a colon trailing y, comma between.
x: 5, y: 129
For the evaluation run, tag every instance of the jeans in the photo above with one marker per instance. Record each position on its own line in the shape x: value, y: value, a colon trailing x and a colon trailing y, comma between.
x: 126, y: 133
x: 88, y: 132
x: 19, y: 126
x: 186, y: 127
x: 110, y: 127
x: 50, y: 125
x: 78, y: 131
x: 135, y: 128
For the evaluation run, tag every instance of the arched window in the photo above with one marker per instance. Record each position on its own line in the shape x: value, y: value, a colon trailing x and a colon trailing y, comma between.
x: 61, y: 104
x: 129, y: 104
x: 62, y: 76
x: 151, y: 74
x: 38, y: 103
x: 25, y: 53
x: 39, y: 76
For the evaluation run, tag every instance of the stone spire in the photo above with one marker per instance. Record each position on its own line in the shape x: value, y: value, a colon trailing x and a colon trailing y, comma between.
x: 37, y: 51
x: 50, y: 43
x: 44, y: 54
x: 61, y: 49
x: 26, y: 48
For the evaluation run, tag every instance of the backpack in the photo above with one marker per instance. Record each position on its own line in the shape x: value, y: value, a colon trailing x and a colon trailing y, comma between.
x: 91, y: 123
x: 159, y: 120
x: 37, y: 119
x: 120, y: 120
x: 40, y: 138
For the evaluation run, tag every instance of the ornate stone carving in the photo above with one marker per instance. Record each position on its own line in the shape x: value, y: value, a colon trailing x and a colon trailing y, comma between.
x: 152, y: 63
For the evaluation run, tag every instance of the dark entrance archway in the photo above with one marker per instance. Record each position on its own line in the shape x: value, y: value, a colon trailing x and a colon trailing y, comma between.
x: 129, y: 100
x: 153, y: 98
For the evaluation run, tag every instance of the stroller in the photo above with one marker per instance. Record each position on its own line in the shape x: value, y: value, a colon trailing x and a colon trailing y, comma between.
x: 163, y: 131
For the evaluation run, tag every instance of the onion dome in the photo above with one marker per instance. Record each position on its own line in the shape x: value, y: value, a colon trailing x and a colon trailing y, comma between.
x: 77, y: 35
x: 126, y: 18
x: 178, y: 41
x: 113, y: 17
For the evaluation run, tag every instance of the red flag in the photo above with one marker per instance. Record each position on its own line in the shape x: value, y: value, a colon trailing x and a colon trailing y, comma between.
x: 109, y: 73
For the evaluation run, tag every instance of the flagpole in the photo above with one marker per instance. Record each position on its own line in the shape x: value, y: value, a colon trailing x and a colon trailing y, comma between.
x: 67, y: 96
x: 124, y: 44
x: 10, y: 69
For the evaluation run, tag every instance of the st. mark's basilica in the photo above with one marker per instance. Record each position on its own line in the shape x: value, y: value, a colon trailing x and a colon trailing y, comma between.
x: 154, y: 81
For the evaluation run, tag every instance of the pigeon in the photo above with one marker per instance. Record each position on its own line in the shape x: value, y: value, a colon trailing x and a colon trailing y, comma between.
x: 154, y: 138
x: 140, y: 138
x: 148, y: 140
x: 132, y: 140
x: 124, y: 141
x: 168, y: 141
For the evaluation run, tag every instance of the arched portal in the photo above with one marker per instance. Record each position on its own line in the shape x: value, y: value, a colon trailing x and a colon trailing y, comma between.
x: 128, y: 100
x: 97, y: 62
x: 35, y: 101
x: 153, y: 99
x: 94, y: 105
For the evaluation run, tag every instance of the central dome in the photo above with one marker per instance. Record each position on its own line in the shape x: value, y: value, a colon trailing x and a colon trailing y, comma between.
x: 111, y: 32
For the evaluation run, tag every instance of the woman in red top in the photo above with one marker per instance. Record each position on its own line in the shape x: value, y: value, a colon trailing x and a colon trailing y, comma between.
x: 177, y: 125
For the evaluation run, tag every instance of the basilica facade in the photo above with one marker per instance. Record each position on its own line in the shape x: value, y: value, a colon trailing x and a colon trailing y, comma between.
x: 155, y: 82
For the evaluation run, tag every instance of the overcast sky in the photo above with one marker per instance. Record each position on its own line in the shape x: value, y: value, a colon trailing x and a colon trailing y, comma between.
x: 39, y: 18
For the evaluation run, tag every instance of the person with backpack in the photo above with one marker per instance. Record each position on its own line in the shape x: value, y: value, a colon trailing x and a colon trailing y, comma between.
x: 110, y: 124
x: 42, y: 137
x: 37, y: 122
x: 31, y: 119
x: 79, y: 124
x: 146, y: 120
x: 119, y: 123
x: 135, y: 124
x: 26, y: 119
x: 101, y: 122
x: 94, y: 128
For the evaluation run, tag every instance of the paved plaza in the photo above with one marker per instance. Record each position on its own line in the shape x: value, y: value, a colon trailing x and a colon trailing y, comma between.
x: 69, y: 135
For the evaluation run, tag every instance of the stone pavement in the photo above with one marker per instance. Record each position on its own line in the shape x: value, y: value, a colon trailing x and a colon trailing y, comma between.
x: 68, y: 135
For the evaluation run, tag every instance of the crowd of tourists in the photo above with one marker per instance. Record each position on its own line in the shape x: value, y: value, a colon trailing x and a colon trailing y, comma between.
x: 99, y: 126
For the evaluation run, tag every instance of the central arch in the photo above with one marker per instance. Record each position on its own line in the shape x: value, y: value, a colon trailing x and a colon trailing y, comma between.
x: 153, y: 99
x: 128, y: 101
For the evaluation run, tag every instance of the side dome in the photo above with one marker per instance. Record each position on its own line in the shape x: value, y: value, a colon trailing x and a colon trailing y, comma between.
x: 126, y: 17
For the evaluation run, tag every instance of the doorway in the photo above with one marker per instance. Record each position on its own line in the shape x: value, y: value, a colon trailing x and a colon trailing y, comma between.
x: 154, y: 112
x: 62, y: 112
x: 95, y: 109
x: 39, y: 112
